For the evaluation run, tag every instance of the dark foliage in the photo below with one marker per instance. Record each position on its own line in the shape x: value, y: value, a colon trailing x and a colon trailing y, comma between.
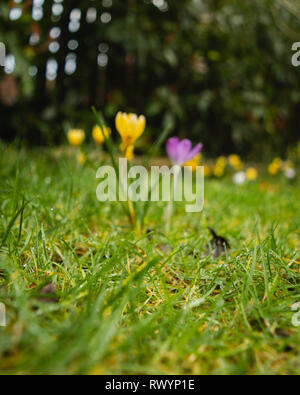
x: 220, y: 71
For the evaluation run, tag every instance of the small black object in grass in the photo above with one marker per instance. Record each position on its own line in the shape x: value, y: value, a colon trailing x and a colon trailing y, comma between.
x: 149, y: 233
x: 281, y: 333
x: 257, y: 325
x: 284, y: 335
x: 218, y: 245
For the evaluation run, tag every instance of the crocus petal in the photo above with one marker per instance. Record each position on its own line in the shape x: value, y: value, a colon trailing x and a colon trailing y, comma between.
x: 172, y: 148
x: 141, y: 125
x: 76, y: 137
x: 181, y: 152
x: 183, y: 149
x: 120, y: 124
x: 130, y: 127
x: 194, y: 151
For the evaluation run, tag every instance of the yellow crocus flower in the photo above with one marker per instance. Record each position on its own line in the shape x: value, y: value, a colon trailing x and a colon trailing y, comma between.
x: 235, y: 162
x: 76, y: 137
x: 98, y: 135
x: 219, y: 171
x: 130, y: 128
x: 221, y: 161
x: 251, y: 174
x: 273, y: 168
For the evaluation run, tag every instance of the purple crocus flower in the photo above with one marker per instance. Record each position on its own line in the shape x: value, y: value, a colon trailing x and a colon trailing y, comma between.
x: 182, y: 151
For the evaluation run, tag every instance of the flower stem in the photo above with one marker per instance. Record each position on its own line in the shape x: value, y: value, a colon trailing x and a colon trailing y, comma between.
x: 170, y: 206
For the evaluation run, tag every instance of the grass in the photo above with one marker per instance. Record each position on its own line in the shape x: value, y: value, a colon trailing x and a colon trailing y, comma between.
x: 144, y: 303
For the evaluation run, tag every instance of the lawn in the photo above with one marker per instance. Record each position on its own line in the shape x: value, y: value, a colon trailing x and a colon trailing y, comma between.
x: 123, y: 301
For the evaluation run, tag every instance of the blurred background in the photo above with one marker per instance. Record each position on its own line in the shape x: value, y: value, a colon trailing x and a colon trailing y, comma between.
x: 216, y: 71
